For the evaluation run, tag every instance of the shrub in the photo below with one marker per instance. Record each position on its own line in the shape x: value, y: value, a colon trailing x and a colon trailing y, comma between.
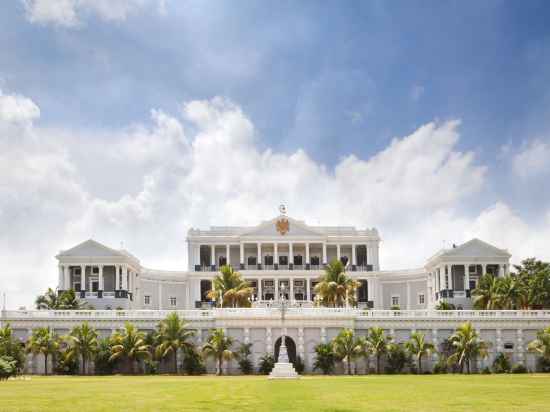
x: 102, y: 366
x: 501, y: 364
x: 543, y: 365
x: 245, y: 364
x: 65, y: 364
x: 486, y: 371
x: 441, y: 366
x: 8, y: 367
x: 518, y: 368
x: 395, y: 307
x: 397, y: 358
x: 299, y: 365
x: 325, y: 358
x: 193, y: 363
x: 151, y: 367
x: 267, y: 362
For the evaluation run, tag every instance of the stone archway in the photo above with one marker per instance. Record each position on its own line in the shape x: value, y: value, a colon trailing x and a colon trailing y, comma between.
x: 290, y: 348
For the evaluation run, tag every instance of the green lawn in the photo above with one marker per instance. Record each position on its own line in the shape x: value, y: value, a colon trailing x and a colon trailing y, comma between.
x: 207, y: 393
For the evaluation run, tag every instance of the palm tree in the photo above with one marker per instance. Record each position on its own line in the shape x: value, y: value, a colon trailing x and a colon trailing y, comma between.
x: 444, y: 305
x: 69, y: 300
x: 467, y: 346
x: 325, y: 357
x: 541, y: 344
x: 129, y: 344
x: 48, y: 301
x: 487, y: 293
x: 346, y: 347
x: 418, y: 347
x: 376, y: 344
x: 173, y: 335
x: 335, y: 288
x: 219, y: 348
x: 83, y: 343
x: 230, y: 287
x: 43, y: 341
x: 509, y: 289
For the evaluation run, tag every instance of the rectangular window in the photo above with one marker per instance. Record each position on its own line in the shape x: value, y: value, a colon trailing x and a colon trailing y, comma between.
x: 395, y: 300
x: 172, y: 301
x: 421, y: 299
x: 147, y: 300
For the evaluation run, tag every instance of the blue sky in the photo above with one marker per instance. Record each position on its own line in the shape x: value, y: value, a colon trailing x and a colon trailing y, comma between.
x: 329, y: 79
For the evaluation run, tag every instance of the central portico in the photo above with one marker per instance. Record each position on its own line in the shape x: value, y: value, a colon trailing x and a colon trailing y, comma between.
x: 282, y: 252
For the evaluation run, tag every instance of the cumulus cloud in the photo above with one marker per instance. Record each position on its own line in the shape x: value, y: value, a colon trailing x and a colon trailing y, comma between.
x: 204, y: 166
x: 68, y: 13
x: 532, y: 159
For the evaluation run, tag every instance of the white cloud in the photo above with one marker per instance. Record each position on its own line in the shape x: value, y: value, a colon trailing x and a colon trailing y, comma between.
x: 206, y: 168
x: 68, y: 13
x: 533, y: 159
x: 17, y: 109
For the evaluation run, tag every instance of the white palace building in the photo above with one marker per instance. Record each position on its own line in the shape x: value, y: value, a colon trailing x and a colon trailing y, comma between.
x: 284, y: 254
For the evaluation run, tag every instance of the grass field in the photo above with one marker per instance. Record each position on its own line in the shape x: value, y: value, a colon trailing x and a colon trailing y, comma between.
x: 338, y: 394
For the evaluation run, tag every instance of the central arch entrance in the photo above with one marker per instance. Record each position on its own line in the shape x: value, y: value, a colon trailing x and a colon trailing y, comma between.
x: 290, y: 348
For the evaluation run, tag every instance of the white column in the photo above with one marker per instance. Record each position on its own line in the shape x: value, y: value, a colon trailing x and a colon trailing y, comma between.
x: 353, y: 254
x: 466, y: 277
x: 377, y: 257
x: 276, y: 281
x: 290, y: 254
x: 101, y: 279
x: 67, y: 277
x: 369, y: 256
x: 259, y: 262
x: 308, y: 289
x: 160, y: 295
x: 338, y: 251
x: 83, y: 278
x: 117, y: 278
x: 124, y: 277
x: 241, y: 255
x: 61, y: 278
x: 450, y: 274
x: 291, y: 281
x: 441, y: 278
x: 228, y: 254
x: 307, y: 254
x: 408, y: 296
x: 275, y: 253
x: 260, y: 297
x: 197, y: 257
x: 324, y: 253
x: 212, y: 255
x: 500, y: 271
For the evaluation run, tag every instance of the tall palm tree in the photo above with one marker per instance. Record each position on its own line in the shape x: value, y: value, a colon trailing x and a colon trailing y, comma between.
x: 231, y: 288
x: 43, y: 341
x: 47, y: 301
x: 173, y: 335
x: 347, y: 347
x: 418, y: 347
x: 376, y: 344
x: 509, y: 289
x: 83, y: 343
x: 335, y: 288
x: 487, y: 293
x: 219, y: 348
x: 129, y: 344
x: 466, y: 345
x: 541, y: 344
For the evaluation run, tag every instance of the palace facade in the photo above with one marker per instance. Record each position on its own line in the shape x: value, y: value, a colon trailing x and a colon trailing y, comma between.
x: 284, y: 256
x: 276, y: 254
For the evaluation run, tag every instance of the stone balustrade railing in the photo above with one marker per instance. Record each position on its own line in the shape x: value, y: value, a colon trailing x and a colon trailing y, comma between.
x: 275, y: 312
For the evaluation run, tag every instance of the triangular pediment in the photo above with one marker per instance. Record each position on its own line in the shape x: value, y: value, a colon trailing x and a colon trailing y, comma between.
x: 278, y: 227
x: 91, y: 248
x: 476, y: 248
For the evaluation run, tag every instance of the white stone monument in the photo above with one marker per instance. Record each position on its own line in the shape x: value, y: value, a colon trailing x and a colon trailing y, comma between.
x: 283, y: 369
